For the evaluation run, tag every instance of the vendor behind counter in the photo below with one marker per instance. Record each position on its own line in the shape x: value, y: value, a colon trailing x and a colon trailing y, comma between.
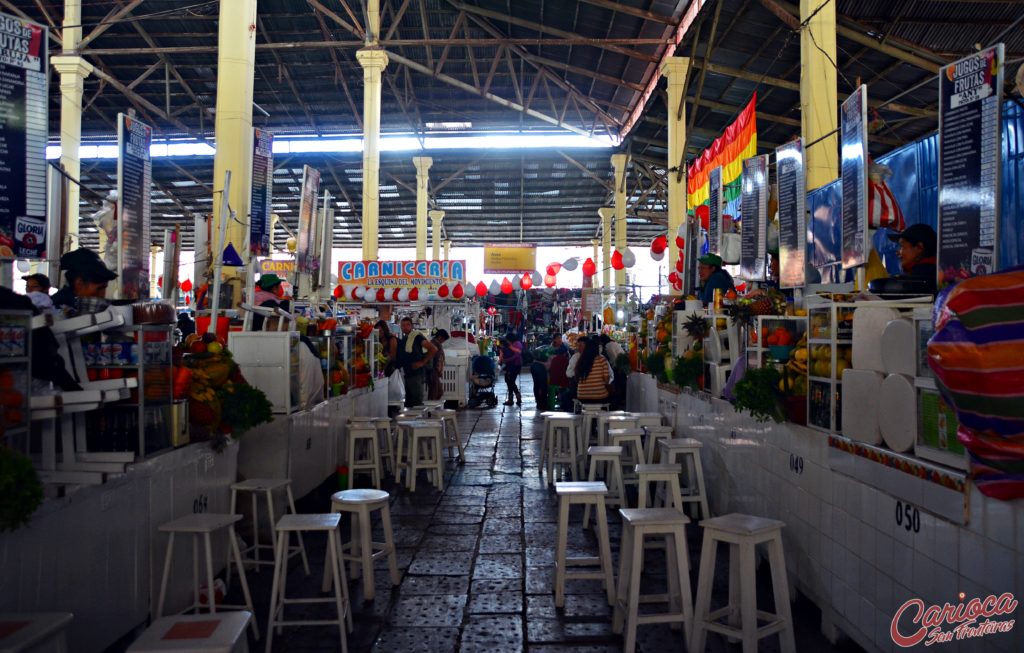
x: 269, y: 294
x: 86, y: 276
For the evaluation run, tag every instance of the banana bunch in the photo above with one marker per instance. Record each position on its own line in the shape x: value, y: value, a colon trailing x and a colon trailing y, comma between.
x: 798, y: 360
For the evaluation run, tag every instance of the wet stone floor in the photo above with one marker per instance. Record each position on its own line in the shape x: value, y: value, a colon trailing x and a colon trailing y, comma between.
x: 476, y: 564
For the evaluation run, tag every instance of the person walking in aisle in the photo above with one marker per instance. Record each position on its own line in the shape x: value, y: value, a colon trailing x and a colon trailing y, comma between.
x: 435, y: 389
x: 511, y: 355
x: 415, y: 353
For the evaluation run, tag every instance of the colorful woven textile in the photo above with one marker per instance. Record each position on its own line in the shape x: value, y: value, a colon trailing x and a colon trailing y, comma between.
x: 738, y: 142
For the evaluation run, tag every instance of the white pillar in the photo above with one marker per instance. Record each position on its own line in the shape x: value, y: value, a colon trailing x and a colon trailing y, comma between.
x: 674, y: 69
x: 605, y: 262
x: 374, y: 61
x: 619, y: 163
x: 435, y: 243
x: 447, y: 249
x: 422, y: 164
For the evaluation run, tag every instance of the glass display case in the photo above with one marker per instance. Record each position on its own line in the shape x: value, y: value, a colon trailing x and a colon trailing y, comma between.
x: 830, y: 352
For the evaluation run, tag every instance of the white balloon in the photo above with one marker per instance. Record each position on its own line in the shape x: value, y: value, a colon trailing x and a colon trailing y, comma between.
x: 495, y: 288
x: 469, y: 290
x: 570, y: 264
x: 23, y: 266
x: 681, y: 231
x: 517, y: 281
x: 657, y: 257
x: 628, y: 258
x: 536, y: 278
x: 357, y: 292
x: 403, y: 295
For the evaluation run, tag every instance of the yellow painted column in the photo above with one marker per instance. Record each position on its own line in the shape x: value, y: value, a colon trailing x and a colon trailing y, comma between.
x: 597, y: 260
x: 73, y: 70
x: 447, y: 249
x: 605, y: 262
x: 619, y: 163
x: 236, y: 58
x: 436, y: 217
x: 674, y: 69
x: 819, y: 100
x: 422, y: 164
x: 374, y: 61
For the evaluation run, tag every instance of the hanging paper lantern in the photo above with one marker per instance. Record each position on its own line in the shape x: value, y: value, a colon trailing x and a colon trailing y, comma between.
x: 481, y: 289
x: 414, y: 294
x: 442, y: 291
x: 403, y: 295
x: 549, y: 280
x: 616, y: 262
x: 553, y: 268
x: 339, y: 292
x: 458, y: 292
x: 495, y: 288
x: 570, y: 264
x: 186, y: 285
x: 469, y: 290
x: 657, y: 256
x: 681, y: 231
x: 381, y: 295
x: 526, y: 282
x: 535, y: 278
x: 628, y: 258
x: 680, y: 242
x: 506, y: 286
x: 659, y: 245
x: 704, y: 215
x: 589, y: 268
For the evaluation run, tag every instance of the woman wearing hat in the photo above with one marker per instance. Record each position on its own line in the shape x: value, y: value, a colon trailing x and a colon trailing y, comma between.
x: 269, y: 292
x: 712, y: 277
x: 917, y: 253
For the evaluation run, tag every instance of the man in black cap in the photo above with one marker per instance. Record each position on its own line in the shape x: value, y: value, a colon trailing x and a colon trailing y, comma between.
x: 86, y: 277
x: 37, y: 283
x: 917, y: 253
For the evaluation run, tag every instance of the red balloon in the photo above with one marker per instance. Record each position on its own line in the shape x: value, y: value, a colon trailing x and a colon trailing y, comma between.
x: 339, y: 292
x: 506, y: 286
x: 492, y: 310
x: 617, y: 263
x: 703, y: 214
x: 481, y: 289
x: 188, y: 300
x: 458, y: 292
x: 381, y: 295
x: 414, y: 294
x: 589, y: 268
x: 553, y: 269
x: 160, y: 281
x: 678, y: 285
x: 526, y: 282
x: 186, y: 285
x: 680, y: 242
x: 549, y: 280
x: 659, y: 244
x: 741, y: 287
x: 672, y: 277
x: 442, y: 292
x: 679, y: 264
x: 394, y: 294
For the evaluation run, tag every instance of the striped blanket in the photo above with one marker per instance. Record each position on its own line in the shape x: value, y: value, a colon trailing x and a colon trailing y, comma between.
x: 977, y: 355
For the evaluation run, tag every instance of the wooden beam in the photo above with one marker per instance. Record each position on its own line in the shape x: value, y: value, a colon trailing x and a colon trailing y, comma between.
x: 632, y: 11
x: 396, y: 20
x: 608, y: 186
x: 102, y: 73
x: 352, y: 29
x: 116, y: 14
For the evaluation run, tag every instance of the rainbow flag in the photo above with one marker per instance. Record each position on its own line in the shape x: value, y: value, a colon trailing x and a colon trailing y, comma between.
x: 728, y: 151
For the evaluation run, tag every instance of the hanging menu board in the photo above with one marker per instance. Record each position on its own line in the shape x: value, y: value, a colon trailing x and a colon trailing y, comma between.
x: 792, y: 193
x: 970, y: 104
x: 715, y: 211
x: 262, y: 192
x: 134, y: 179
x: 754, y: 208
x: 307, y: 259
x: 854, y: 150
x: 23, y: 132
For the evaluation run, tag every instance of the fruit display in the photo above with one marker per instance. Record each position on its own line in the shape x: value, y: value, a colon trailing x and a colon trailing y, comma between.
x: 821, y: 323
x: 820, y: 364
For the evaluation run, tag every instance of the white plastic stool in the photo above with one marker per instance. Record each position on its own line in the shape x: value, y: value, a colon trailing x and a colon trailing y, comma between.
x: 546, y: 434
x: 425, y: 446
x: 647, y: 419
x: 743, y: 533
x: 589, y: 494
x: 24, y: 632
x: 687, y: 451
x: 361, y: 550
x: 608, y: 457
x: 631, y: 441
x: 383, y: 426
x: 266, y: 487
x: 636, y: 526
x: 363, y: 453
x: 655, y: 434
x: 205, y: 524
x: 591, y: 413
x: 663, y: 475
x: 220, y: 633
x: 452, y: 439
x: 278, y: 598
x: 560, y: 444
x: 615, y: 420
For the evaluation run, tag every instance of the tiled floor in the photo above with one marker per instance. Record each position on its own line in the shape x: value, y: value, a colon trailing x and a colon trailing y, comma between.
x: 476, y: 564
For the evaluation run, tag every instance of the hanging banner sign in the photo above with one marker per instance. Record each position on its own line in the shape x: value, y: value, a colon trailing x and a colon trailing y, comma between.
x: 401, y: 274
x: 970, y: 107
x: 854, y: 166
x: 754, y: 208
x: 306, y: 256
x: 715, y: 210
x: 284, y: 269
x: 23, y: 133
x: 262, y: 192
x: 510, y: 259
x: 134, y: 181
x: 792, y: 194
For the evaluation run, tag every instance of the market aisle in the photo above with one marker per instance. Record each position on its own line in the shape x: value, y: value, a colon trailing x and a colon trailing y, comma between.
x: 476, y: 563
